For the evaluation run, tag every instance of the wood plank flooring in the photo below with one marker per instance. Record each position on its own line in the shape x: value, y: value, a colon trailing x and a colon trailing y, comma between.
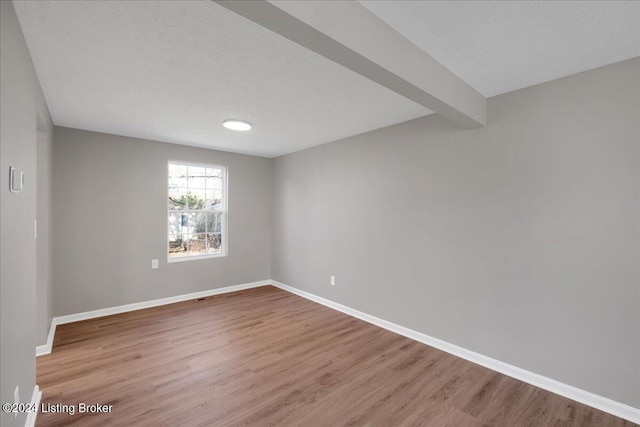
x: 267, y: 357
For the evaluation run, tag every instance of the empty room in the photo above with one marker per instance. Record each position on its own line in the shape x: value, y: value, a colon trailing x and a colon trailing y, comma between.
x: 320, y: 213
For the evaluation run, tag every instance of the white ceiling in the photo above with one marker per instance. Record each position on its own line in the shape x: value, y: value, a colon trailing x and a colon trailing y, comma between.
x: 174, y: 70
x: 501, y: 46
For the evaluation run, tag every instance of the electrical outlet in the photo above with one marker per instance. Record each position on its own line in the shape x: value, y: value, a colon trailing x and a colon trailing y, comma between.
x: 332, y: 281
x: 154, y: 264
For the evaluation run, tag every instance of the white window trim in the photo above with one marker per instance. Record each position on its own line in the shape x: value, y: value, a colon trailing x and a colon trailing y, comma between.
x: 224, y: 232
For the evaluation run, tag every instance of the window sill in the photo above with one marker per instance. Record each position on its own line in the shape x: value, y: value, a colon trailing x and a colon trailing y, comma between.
x: 194, y: 258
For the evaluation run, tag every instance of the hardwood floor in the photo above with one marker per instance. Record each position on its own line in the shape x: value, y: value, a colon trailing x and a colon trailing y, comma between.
x: 268, y: 357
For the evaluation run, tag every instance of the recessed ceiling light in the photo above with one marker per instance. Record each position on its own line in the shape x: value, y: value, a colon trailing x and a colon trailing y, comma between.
x: 236, y: 125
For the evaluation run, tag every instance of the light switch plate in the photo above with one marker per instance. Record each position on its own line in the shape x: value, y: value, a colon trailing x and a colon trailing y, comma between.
x: 16, y: 180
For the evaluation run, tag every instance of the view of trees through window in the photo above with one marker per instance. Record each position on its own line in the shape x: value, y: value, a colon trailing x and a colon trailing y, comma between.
x: 196, y: 210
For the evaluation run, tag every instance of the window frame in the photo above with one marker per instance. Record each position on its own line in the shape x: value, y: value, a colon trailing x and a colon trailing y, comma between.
x: 224, y: 233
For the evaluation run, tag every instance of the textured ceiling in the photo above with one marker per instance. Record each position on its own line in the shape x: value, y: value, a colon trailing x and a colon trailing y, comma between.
x: 498, y: 47
x: 174, y: 70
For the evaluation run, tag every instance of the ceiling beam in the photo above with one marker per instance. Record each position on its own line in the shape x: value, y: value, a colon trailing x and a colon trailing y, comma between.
x: 348, y: 34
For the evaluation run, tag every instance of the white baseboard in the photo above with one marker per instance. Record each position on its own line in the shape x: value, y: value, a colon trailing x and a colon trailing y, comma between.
x: 46, y: 348
x: 35, y: 402
x: 60, y: 320
x: 598, y: 402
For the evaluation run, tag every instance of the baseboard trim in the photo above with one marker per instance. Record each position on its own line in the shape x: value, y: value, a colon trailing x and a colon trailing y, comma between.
x: 595, y: 401
x: 61, y: 320
x: 35, y: 402
x: 46, y: 348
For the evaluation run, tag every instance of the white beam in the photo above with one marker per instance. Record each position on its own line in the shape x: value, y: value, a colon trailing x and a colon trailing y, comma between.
x: 348, y: 34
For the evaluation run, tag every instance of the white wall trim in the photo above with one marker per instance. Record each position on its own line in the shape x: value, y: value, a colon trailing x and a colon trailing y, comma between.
x: 35, y: 401
x: 598, y: 402
x: 60, y: 320
x: 46, y: 348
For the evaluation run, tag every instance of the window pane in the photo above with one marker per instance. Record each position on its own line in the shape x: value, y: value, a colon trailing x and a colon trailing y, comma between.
x: 196, y: 198
x: 214, y: 222
x: 214, y: 243
x: 214, y: 172
x: 197, y: 222
x: 177, y: 171
x: 216, y: 198
x: 197, y: 182
x: 178, y: 199
x: 188, y: 223
x: 197, y: 171
x: 177, y: 183
x: 177, y: 246
x: 214, y: 179
x: 177, y: 176
x: 197, y: 244
x: 177, y: 224
x: 210, y: 203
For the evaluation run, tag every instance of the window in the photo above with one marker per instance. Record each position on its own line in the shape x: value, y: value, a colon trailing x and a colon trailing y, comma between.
x: 197, y: 211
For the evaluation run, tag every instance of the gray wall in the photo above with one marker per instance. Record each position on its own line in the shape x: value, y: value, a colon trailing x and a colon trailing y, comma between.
x: 22, y: 111
x: 519, y: 240
x: 110, y: 219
